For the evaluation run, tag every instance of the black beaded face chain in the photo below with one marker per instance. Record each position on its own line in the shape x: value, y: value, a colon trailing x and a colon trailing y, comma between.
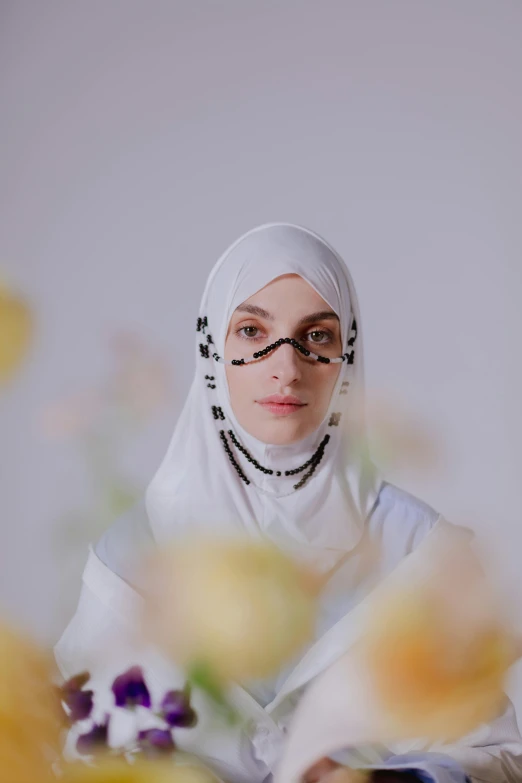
x: 311, y: 464
x: 346, y: 357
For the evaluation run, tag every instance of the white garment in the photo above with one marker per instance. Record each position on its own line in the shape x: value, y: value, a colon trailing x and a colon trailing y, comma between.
x: 344, y: 507
x: 101, y: 638
x: 196, y: 484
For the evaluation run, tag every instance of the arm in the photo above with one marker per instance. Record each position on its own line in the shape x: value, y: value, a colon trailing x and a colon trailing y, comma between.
x: 492, y: 754
x: 417, y: 768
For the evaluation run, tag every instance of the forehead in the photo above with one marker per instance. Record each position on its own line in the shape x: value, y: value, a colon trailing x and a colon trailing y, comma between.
x: 287, y: 296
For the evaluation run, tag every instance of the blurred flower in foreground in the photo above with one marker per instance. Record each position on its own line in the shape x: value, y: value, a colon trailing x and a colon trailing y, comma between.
x: 236, y: 608
x: 16, y: 326
x: 399, y: 438
x: 119, y: 771
x: 104, y: 423
x: 138, y: 386
x: 438, y: 652
x: 140, y: 383
x: 31, y: 718
x: 430, y: 662
x: 94, y: 741
x: 79, y: 702
x: 129, y: 689
x: 134, y: 726
x: 176, y: 709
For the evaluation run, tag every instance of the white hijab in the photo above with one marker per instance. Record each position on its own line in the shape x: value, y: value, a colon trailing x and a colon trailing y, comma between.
x: 196, y: 487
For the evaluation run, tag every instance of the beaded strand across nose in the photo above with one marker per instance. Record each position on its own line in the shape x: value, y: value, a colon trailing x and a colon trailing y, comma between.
x: 346, y: 357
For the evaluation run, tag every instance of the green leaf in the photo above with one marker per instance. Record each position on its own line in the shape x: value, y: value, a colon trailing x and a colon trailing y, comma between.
x: 200, y: 675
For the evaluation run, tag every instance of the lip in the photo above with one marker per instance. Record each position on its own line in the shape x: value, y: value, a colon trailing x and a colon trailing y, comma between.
x: 281, y: 405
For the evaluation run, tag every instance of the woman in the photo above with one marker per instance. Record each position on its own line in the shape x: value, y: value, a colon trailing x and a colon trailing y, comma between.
x: 271, y: 441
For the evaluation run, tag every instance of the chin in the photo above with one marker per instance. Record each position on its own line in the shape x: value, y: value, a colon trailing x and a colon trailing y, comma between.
x: 282, y: 433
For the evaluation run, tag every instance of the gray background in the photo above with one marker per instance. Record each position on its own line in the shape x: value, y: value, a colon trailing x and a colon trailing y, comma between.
x: 140, y: 138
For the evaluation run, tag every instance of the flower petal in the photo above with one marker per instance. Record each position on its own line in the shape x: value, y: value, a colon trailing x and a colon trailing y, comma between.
x: 156, y: 742
x: 176, y: 709
x: 80, y: 704
x: 78, y: 701
x: 94, y: 740
x: 130, y: 689
x: 76, y: 683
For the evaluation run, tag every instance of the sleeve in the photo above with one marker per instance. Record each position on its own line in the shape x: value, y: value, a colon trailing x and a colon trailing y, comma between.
x: 493, y: 754
x: 426, y: 768
x: 103, y: 638
x: 125, y: 541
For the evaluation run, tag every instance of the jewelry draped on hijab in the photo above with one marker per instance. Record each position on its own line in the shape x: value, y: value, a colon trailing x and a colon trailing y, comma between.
x: 197, y: 486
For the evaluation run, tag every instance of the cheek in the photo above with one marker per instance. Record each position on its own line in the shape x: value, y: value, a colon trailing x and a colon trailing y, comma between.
x: 329, y: 380
x: 239, y: 384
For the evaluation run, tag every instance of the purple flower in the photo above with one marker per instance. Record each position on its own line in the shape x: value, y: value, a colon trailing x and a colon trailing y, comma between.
x: 94, y: 740
x: 176, y: 709
x: 156, y: 742
x: 78, y: 701
x: 130, y: 690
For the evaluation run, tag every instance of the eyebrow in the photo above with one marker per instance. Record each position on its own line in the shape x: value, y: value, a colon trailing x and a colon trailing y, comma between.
x: 322, y: 315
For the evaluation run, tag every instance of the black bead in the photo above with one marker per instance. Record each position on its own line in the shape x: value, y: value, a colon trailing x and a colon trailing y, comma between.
x: 312, y: 463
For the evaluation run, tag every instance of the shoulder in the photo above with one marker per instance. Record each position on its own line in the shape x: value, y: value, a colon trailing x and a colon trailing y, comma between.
x: 393, y: 499
x: 122, y: 545
x: 400, y: 518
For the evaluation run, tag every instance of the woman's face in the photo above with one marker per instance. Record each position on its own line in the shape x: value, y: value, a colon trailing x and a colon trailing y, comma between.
x: 283, y: 397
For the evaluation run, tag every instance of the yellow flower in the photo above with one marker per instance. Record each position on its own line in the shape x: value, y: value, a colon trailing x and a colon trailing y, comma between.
x: 400, y: 439
x: 119, y: 771
x: 16, y: 326
x: 428, y: 661
x: 242, y: 608
x: 30, y: 714
x: 438, y: 654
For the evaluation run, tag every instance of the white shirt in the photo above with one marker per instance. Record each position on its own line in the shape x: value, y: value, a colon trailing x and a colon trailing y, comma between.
x: 101, y: 638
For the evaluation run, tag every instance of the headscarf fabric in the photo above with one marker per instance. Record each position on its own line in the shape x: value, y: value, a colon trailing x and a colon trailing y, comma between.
x: 197, y: 488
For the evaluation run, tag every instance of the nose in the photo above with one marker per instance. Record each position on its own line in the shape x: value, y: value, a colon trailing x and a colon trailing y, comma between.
x: 285, y: 365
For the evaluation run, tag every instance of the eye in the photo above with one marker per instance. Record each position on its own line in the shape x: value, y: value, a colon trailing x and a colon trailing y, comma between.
x: 319, y: 337
x: 248, y: 332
